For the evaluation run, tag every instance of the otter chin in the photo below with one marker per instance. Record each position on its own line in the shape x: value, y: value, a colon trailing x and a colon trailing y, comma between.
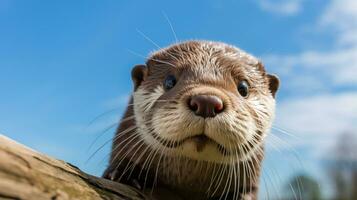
x: 200, y: 142
x: 196, y: 123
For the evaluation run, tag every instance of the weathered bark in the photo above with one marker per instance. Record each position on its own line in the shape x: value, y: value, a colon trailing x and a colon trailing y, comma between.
x: 26, y: 174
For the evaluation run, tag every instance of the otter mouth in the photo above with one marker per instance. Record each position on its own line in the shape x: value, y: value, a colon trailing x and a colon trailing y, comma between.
x: 200, y: 141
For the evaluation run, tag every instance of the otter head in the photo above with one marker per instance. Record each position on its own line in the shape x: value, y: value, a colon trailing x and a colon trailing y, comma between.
x: 205, y: 101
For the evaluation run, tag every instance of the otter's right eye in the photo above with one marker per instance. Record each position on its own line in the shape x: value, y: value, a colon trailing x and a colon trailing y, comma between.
x: 169, y: 82
x: 243, y: 88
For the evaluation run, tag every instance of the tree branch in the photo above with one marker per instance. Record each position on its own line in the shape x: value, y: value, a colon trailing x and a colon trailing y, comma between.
x: 26, y: 174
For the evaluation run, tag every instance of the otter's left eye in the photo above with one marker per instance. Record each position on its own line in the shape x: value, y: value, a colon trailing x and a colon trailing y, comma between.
x: 169, y: 82
x: 243, y: 88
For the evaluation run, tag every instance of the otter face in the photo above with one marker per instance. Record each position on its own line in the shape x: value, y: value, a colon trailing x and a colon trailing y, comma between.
x: 204, y: 101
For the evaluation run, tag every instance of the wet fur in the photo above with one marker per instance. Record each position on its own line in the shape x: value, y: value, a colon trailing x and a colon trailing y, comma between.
x: 152, y: 149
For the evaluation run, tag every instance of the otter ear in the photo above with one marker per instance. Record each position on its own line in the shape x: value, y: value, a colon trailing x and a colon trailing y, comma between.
x: 273, y: 83
x: 138, y: 75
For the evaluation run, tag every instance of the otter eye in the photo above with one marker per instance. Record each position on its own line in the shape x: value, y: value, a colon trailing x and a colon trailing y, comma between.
x: 243, y: 88
x: 169, y: 82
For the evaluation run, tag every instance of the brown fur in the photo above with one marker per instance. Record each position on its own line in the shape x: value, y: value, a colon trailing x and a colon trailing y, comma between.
x: 202, y: 68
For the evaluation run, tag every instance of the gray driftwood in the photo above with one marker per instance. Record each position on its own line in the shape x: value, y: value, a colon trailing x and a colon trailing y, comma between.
x: 27, y: 174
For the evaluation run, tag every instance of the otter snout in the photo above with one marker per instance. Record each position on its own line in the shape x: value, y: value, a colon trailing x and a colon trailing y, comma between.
x: 205, y: 105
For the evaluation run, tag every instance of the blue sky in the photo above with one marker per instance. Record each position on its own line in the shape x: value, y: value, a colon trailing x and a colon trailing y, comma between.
x: 63, y: 63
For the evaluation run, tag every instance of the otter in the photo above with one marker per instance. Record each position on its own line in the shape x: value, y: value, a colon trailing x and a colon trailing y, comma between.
x: 196, y: 123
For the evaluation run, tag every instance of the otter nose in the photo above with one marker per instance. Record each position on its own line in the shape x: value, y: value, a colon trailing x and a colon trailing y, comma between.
x: 206, y: 105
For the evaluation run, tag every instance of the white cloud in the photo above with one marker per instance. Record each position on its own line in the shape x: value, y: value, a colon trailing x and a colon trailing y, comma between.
x: 339, y: 66
x: 341, y: 15
x: 320, y: 115
x: 336, y: 66
x: 283, y: 7
x: 317, y: 121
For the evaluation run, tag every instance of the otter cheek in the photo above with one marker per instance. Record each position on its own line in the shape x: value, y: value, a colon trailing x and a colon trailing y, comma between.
x: 251, y: 129
x: 164, y: 124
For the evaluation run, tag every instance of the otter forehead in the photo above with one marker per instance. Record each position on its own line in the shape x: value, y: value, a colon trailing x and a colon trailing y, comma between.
x: 201, y: 53
x: 205, y: 61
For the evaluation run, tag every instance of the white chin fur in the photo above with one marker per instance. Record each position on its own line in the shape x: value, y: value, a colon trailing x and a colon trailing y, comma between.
x: 188, y: 149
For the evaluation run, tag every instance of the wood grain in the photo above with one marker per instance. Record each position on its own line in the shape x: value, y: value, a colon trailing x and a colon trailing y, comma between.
x: 27, y: 174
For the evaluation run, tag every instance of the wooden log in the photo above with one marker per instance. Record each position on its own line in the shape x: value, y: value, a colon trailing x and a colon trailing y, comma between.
x: 27, y: 174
